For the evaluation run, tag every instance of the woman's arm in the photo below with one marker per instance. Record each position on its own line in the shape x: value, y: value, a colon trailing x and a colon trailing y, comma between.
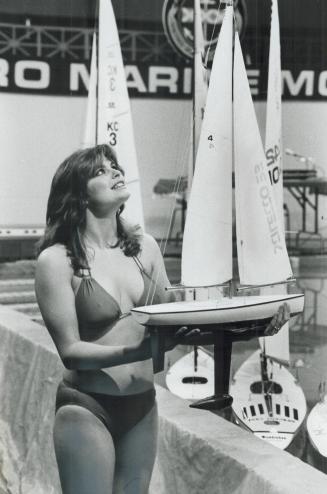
x: 56, y: 300
x: 153, y: 261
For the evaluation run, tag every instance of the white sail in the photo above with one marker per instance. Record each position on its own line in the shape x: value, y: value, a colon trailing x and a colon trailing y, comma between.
x: 273, y: 141
x: 261, y: 248
x: 277, y: 346
x: 200, y: 89
x: 89, y: 138
x: 114, y: 124
x: 207, y: 243
x: 200, y: 73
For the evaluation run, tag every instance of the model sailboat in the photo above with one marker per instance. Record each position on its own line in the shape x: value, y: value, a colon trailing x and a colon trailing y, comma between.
x: 317, y: 431
x: 229, y: 129
x: 268, y: 400
x: 229, y: 135
x: 108, y: 118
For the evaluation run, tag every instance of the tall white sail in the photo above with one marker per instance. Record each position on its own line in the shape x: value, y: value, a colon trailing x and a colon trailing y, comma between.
x: 273, y: 141
x: 200, y: 73
x: 89, y: 137
x: 200, y: 90
x: 277, y: 346
x: 207, y: 242
x: 114, y: 124
x: 261, y: 248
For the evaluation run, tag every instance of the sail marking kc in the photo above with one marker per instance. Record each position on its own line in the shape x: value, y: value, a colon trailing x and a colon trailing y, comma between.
x: 109, y: 107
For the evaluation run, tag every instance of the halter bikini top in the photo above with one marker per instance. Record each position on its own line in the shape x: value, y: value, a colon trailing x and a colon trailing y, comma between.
x: 97, y: 310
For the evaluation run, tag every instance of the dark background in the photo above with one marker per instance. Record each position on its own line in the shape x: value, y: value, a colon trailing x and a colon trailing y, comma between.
x: 303, y: 36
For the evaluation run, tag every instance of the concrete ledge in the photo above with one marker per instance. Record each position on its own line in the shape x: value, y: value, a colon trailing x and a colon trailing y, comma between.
x: 201, y: 452
x: 197, y: 451
x: 29, y: 372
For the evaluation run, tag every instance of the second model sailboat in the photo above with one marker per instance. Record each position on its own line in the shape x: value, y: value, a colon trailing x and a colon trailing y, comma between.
x: 109, y: 118
x: 268, y: 400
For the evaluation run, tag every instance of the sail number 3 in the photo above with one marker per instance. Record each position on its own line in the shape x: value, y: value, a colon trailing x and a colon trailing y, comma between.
x: 112, y: 128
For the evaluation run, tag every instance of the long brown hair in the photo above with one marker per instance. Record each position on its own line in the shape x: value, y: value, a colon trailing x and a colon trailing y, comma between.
x: 66, y: 211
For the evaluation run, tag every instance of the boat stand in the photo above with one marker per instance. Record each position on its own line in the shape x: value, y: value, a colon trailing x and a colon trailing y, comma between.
x: 222, y: 358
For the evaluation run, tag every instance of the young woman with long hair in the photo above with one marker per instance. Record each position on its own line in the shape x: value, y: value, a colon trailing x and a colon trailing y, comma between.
x: 92, y: 269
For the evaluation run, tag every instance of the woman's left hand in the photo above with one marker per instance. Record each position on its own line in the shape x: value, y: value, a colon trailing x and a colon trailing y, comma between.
x: 183, y: 335
x: 278, y: 321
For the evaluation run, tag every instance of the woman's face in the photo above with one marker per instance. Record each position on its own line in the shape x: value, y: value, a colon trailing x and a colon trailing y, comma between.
x: 107, y: 189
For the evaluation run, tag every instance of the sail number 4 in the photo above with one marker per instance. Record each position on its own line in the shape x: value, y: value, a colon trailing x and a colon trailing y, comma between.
x: 210, y: 139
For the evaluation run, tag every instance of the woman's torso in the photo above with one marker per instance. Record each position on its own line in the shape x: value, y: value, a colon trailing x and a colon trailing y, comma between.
x: 104, y: 296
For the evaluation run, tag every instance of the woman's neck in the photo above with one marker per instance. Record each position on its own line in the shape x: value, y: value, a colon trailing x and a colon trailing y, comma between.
x: 101, y: 232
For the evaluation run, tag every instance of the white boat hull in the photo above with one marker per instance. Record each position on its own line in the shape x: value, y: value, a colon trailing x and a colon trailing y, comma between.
x: 317, y: 427
x: 191, y: 383
x: 223, y: 311
x: 288, y: 404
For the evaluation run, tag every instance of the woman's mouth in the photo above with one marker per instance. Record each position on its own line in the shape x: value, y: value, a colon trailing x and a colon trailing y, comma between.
x: 118, y: 185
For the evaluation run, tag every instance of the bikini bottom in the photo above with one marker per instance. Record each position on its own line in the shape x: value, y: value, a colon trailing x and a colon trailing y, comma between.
x: 118, y: 413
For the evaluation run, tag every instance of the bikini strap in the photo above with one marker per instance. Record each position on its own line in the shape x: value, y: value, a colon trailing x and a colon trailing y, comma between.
x: 83, y: 272
x: 141, y: 267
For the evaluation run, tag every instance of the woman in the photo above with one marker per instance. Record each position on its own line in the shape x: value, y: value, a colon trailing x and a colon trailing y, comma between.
x: 92, y: 269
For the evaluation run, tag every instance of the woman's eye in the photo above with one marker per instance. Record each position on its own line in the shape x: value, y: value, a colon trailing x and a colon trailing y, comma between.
x: 100, y: 171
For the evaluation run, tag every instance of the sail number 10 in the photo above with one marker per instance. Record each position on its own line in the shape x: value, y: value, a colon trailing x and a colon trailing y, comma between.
x: 273, y: 163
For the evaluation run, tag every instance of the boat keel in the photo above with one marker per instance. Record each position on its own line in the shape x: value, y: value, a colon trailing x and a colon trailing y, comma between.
x: 215, y: 402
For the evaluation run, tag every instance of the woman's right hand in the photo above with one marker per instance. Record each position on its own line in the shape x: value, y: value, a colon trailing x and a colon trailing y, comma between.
x: 171, y: 338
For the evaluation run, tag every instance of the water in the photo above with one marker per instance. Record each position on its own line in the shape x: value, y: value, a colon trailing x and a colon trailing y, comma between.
x: 308, y: 340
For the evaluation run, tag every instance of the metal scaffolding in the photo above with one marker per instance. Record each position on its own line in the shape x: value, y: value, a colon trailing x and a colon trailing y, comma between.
x: 150, y: 46
x: 75, y: 43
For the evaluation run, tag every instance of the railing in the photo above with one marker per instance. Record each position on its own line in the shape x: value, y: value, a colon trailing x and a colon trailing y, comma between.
x: 146, y: 45
x: 76, y: 43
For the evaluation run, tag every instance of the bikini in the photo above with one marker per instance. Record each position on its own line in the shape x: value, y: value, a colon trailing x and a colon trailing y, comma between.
x: 97, y: 312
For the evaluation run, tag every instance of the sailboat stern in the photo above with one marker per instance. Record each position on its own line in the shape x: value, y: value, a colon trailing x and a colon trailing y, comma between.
x: 274, y: 412
x: 317, y: 429
x: 192, y: 377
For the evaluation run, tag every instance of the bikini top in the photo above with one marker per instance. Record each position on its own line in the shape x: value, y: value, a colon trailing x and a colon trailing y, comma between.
x: 97, y: 310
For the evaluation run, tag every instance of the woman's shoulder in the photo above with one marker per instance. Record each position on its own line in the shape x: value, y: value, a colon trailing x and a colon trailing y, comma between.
x: 54, y: 259
x: 150, y: 251
x: 149, y: 245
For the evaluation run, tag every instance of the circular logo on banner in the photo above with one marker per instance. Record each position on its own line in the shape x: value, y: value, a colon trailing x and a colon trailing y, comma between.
x: 178, y: 16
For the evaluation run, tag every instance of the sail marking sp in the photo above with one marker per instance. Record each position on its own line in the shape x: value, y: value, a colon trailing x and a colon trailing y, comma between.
x: 277, y: 346
x: 273, y: 140
x: 261, y: 247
